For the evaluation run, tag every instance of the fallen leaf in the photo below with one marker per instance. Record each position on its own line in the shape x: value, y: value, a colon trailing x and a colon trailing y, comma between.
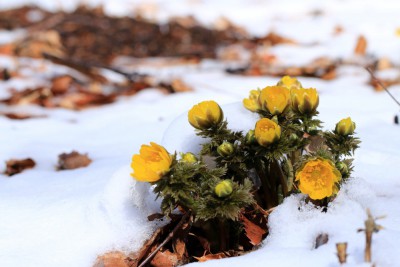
x: 321, y: 239
x: 384, y: 63
x: 80, y: 100
x: 165, y: 259
x: 179, y: 244
x: 7, y: 49
x: 20, y: 116
x: 152, y: 243
x: 112, y: 259
x: 324, y: 68
x: 208, y: 257
x: 273, y: 38
x: 61, y: 84
x: 180, y: 86
x: 338, y: 30
x: 253, y: 232
x: 73, y: 160
x: 38, y: 43
x: 361, y: 46
x: 14, y: 166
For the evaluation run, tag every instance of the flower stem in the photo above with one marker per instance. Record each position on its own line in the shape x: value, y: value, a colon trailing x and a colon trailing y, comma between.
x: 269, y: 196
x: 223, y: 236
x: 282, y: 178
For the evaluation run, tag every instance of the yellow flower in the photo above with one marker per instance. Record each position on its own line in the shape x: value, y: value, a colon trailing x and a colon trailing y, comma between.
x: 318, y: 178
x: 345, y: 127
x: 275, y: 99
x: 223, y: 188
x: 289, y: 82
x: 304, y: 100
x: 252, y: 103
x: 151, y: 164
x: 267, y: 132
x: 205, y: 114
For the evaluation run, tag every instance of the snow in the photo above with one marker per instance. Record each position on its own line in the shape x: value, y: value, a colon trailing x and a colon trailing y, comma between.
x: 67, y: 218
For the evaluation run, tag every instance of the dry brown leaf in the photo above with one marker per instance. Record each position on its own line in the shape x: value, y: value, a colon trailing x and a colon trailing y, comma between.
x: 385, y: 82
x: 38, y: 43
x: 73, y: 160
x: 361, y: 47
x: 180, y: 86
x: 61, y: 84
x: 112, y: 259
x: 324, y: 68
x: 254, y: 232
x: 39, y: 96
x: 14, y: 166
x: 208, y: 257
x: 321, y: 239
x: 20, y: 116
x: 273, y: 38
x: 80, y: 100
x: 384, y: 64
x: 338, y: 30
x: 165, y: 259
x: 7, y: 49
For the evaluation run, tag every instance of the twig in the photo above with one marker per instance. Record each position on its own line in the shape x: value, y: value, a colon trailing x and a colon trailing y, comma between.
x: 370, y: 228
x: 79, y: 66
x: 381, y: 84
x: 169, y: 237
x: 263, y: 211
x: 89, y: 69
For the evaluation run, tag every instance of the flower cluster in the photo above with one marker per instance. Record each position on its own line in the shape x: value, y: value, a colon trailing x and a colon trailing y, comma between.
x: 286, y: 152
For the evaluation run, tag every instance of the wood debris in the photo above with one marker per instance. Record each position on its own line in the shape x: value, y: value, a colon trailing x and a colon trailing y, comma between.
x: 341, y: 249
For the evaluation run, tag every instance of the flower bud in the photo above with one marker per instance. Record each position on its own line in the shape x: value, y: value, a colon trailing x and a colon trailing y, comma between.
x: 345, y: 127
x: 293, y: 138
x: 252, y: 103
x: 224, y: 188
x: 267, y: 132
x: 189, y: 158
x: 289, y: 82
x: 250, y: 137
x: 304, y: 101
x: 205, y: 115
x: 275, y: 99
x: 225, y: 149
x: 343, y: 168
